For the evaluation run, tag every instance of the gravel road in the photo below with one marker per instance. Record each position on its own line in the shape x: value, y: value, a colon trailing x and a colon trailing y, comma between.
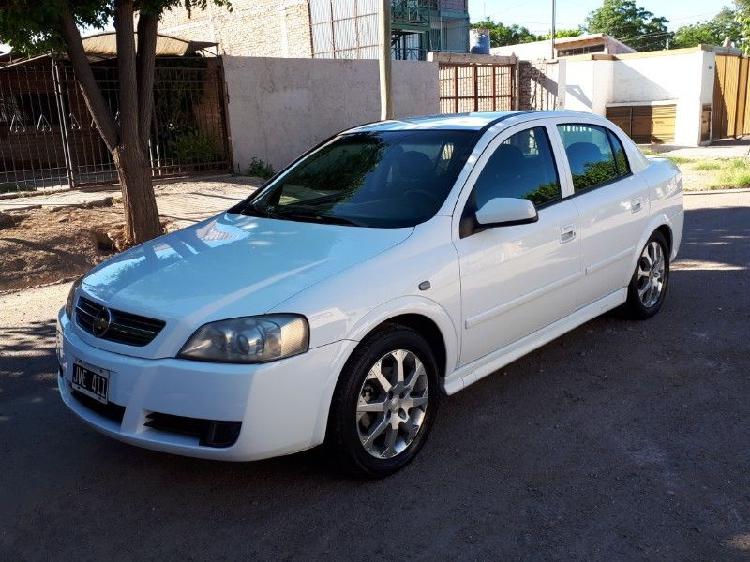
x: 618, y: 441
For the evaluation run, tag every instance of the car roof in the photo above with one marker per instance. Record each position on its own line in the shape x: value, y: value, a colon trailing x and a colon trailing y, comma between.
x: 471, y: 121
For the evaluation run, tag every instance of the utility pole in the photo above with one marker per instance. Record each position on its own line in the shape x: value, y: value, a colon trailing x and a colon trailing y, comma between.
x: 552, y: 34
x: 384, y: 29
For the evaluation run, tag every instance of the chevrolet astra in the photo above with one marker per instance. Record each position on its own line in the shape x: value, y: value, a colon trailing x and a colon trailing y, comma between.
x: 391, y: 265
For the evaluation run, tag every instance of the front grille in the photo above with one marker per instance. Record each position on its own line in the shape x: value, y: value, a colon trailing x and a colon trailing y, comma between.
x: 125, y: 328
x: 217, y: 434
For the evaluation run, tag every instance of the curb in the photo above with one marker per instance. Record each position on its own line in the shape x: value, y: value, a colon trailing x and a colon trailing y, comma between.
x: 716, y: 191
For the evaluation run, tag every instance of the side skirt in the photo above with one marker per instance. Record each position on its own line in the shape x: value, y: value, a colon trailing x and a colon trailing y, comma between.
x: 464, y: 376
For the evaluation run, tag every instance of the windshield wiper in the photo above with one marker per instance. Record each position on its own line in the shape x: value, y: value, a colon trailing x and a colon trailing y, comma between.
x: 307, y: 217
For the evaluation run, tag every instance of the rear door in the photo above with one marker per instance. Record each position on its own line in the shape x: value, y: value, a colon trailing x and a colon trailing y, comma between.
x: 613, y: 206
x: 516, y: 279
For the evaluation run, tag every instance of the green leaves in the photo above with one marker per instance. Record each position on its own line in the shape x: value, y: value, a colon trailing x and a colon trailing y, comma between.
x: 713, y: 32
x: 501, y: 35
x: 631, y: 24
x: 32, y: 26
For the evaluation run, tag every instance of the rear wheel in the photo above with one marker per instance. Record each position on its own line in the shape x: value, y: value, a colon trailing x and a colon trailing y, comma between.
x: 648, y: 287
x: 384, y: 404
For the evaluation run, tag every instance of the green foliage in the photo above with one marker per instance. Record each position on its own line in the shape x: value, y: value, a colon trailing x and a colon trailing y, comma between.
x: 501, y: 35
x: 713, y: 32
x: 707, y: 165
x: 31, y: 26
x: 631, y: 24
x: 193, y: 147
x: 680, y: 159
x: 561, y: 33
x: 259, y: 169
x: 734, y: 172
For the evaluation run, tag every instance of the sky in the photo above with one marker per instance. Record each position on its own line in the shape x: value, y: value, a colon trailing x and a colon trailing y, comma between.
x: 536, y: 14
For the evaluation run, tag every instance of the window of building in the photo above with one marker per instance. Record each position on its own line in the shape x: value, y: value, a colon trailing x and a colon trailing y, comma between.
x: 592, y: 160
x: 522, y: 167
x: 581, y: 50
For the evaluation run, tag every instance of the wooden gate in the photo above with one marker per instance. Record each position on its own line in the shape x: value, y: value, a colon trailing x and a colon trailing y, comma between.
x: 469, y: 83
x: 730, y: 114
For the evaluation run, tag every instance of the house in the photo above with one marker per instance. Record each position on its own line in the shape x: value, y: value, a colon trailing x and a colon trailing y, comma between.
x: 340, y: 29
x: 565, y: 47
x: 683, y: 97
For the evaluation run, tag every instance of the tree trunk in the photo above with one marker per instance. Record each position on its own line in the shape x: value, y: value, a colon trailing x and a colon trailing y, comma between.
x: 141, y: 213
x: 128, y: 142
x: 130, y: 158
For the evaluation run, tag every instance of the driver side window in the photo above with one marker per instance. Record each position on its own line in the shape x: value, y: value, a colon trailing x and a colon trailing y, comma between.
x: 522, y: 167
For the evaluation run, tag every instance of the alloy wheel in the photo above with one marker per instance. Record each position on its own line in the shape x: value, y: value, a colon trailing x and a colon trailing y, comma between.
x: 392, y: 404
x: 651, y: 274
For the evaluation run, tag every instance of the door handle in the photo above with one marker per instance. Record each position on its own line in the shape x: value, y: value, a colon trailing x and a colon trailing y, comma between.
x: 567, y: 234
x: 635, y: 206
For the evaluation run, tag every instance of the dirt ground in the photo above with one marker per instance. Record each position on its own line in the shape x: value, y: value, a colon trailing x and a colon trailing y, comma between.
x: 62, y: 240
x: 41, y: 246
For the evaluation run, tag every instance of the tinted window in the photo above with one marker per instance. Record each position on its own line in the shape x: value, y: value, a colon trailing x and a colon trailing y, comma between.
x: 386, y: 179
x: 590, y: 155
x: 522, y: 167
x: 621, y: 160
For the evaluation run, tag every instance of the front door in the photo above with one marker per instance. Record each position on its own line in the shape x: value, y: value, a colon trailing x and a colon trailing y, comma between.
x: 517, y: 279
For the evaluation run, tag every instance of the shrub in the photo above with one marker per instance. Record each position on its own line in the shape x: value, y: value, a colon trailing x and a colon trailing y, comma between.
x: 260, y: 169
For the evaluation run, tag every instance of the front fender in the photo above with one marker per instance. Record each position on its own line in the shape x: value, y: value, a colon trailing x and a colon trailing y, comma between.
x: 366, y: 324
x: 418, y: 305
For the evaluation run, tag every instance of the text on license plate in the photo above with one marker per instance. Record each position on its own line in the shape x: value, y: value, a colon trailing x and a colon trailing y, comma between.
x: 92, y: 383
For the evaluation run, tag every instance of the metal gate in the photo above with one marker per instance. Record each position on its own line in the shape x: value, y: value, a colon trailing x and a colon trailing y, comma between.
x: 48, y: 138
x: 476, y: 87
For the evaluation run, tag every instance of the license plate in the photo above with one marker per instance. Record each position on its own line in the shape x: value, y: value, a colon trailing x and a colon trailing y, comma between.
x: 91, y: 381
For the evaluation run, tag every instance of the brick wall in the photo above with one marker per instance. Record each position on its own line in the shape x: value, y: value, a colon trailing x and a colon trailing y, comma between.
x: 538, y: 85
x: 261, y: 28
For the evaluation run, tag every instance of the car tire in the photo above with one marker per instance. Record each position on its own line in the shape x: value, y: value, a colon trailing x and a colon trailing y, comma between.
x: 379, y: 420
x: 648, y: 286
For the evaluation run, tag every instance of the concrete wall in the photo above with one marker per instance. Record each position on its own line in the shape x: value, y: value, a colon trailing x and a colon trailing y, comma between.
x: 279, y: 108
x: 679, y: 77
x: 684, y: 78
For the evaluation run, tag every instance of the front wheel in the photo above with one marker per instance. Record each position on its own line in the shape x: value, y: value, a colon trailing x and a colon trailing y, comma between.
x: 648, y: 287
x: 384, y: 404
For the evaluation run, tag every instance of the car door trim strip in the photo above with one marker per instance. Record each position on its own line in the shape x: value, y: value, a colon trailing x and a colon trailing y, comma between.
x: 594, y: 267
x: 528, y: 297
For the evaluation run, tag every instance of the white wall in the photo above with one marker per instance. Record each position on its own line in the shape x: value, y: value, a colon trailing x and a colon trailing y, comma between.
x: 679, y: 77
x: 683, y: 78
x: 278, y: 108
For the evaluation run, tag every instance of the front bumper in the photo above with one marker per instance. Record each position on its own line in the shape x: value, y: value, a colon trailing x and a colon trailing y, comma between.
x: 282, y: 406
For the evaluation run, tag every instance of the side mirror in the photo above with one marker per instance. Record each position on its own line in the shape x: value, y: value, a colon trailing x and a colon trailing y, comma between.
x: 506, y: 212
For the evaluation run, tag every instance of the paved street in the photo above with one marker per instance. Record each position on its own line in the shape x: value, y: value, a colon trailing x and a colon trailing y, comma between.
x: 618, y: 441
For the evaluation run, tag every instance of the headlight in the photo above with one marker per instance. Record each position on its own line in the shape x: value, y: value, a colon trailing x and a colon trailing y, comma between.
x: 255, y: 339
x: 71, y: 297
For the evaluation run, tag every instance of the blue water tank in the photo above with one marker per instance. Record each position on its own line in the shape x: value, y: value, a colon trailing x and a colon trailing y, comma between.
x: 480, y: 41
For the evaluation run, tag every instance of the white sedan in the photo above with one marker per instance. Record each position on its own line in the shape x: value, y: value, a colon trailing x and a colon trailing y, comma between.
x: 392, y: 264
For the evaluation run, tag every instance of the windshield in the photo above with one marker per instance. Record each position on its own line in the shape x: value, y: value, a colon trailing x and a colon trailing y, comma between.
x: 385, y: 179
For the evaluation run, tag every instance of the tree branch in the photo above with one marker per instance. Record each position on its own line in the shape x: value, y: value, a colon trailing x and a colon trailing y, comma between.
x: 92, y: 94
x: 146, y: 62
x: 126, y: 71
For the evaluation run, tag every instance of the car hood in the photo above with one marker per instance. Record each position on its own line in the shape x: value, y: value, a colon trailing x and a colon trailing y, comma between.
x: 231, y: 265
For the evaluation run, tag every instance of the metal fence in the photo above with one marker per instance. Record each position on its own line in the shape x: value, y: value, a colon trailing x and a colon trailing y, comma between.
x: 476, y: 87
x: 48, y: 138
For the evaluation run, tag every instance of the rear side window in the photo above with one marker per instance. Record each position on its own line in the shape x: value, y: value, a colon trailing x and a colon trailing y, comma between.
x: 621, y: 160
x: 522, y: 167
x: 596, y: 156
